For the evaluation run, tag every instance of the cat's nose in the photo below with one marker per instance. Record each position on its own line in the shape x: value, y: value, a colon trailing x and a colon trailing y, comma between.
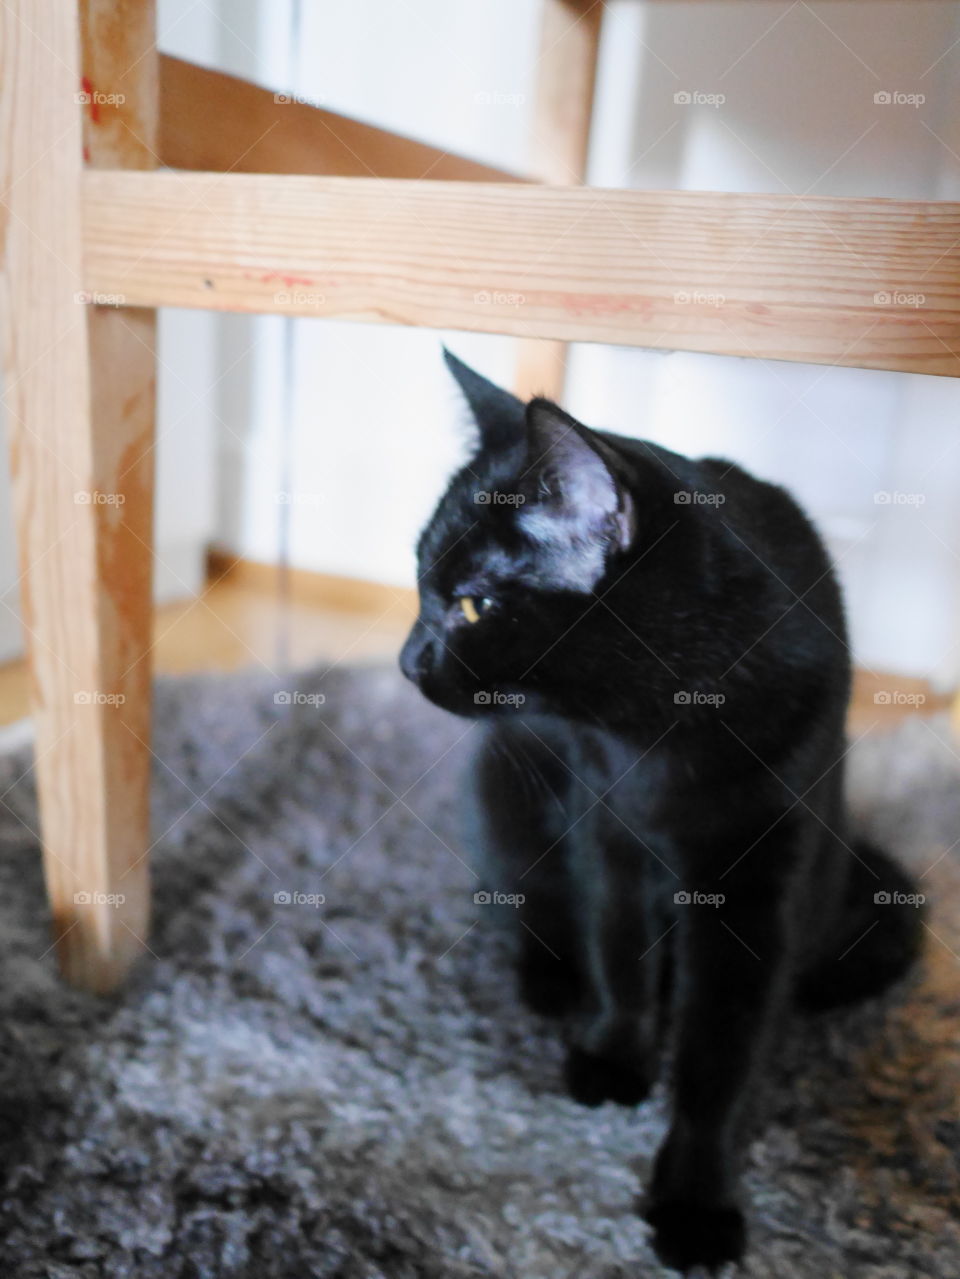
x: 416, y: 657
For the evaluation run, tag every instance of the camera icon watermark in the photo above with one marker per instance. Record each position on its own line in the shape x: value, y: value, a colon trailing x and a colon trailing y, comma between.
x: 695, y: 697
x: 694, y: 497
x: 287, y: 697
x: 485, y: 497
x: 695, y: 98
x: 87, y: 297
x: 94, y: 697
x: 495, y: 698
x: 899, y: 297
x: 94, y: 98
x: 894, y: 497
x: 98, y: 899
x: 296, y: 100
x: 284, y: 498
x: 498, y: 297
x: 896, y: 898
x: 497, y: 98
x: 699, y: 297
x: 498, y: 899
x: 301, y: 298
x: 685, y: 897
x: 898, y: 697
x: 93, y: 497
x: 896, y: 98
x: 284, y: 898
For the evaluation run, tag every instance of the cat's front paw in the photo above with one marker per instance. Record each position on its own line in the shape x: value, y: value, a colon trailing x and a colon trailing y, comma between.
x: 687, y: 1234
x: 592, y: 1080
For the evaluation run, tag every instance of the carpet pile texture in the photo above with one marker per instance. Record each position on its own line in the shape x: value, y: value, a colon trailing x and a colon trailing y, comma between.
x: 349, y: 1088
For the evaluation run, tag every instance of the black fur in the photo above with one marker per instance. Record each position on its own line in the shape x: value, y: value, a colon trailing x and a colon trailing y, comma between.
x: 661, y: 656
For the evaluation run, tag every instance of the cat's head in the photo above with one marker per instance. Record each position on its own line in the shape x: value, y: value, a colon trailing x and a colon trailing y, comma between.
x: 524, y: 541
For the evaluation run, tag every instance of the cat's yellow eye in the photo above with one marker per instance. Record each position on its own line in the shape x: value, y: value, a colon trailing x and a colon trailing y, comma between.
x: 474, y: 606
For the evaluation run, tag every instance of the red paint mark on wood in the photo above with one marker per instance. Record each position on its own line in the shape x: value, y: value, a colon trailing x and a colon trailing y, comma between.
x: 278, y: 277
x: 599, y: 304
x: 91, y: 99
x: 86, y: 155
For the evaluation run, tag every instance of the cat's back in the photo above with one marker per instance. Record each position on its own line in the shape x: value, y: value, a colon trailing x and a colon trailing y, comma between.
x: 758, y: 523
x: 767, y: 523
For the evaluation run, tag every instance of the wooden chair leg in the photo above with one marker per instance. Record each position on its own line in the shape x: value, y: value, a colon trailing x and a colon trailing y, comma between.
x: 79, y: 79
x: 566, y: 75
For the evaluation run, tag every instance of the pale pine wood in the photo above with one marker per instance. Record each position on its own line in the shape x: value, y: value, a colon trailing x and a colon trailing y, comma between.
x: 560, y: 136
x: 798, y: 276
x: 566, y: 77
x: 80, y: 383
x: 218, y: 122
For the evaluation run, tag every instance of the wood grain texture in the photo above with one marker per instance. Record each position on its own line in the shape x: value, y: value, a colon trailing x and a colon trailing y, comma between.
x: 79, y: 384
x: 566, y: 77
x: 767, y: 276
x: 217, y: 122
x: 560, y: 136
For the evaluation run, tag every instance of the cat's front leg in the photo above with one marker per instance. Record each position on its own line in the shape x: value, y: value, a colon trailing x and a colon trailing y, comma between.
x: 734, y: 951
x: 614, y: 1049
x: 517, y: 813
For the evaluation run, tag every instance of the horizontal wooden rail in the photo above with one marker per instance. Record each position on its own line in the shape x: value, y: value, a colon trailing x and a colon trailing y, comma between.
x: 217, y: 122
x: 868, y: 283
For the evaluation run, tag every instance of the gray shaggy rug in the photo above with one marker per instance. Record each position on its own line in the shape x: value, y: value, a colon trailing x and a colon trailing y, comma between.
x: 351, y: 1089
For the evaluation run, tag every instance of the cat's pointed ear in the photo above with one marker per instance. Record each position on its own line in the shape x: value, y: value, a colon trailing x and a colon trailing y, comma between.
x: 498, y: 414
x: 571, y: 474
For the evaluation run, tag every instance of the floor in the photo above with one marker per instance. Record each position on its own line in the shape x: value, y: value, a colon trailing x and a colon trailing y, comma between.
x: 245, y: 618
x: 241, y: 620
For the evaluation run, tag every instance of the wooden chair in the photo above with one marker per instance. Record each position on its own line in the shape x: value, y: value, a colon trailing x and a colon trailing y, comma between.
x: 93, y: 240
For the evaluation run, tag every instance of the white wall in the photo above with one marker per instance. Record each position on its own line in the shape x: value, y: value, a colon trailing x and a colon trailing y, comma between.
x: 367, y: 423
x: 190, y: 355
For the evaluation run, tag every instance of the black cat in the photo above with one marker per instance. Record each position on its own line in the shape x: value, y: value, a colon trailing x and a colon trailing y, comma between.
x: 659, y: 647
